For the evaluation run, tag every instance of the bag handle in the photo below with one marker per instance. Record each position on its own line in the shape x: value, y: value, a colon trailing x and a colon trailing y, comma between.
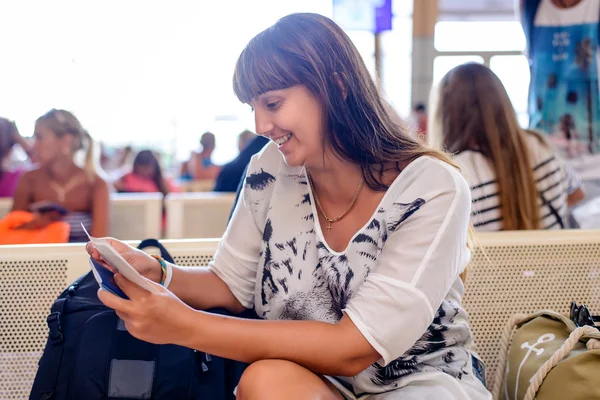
x: 558, y: 356
x: 519, y: 319
x: 505, y: 339
x: 155, y: 243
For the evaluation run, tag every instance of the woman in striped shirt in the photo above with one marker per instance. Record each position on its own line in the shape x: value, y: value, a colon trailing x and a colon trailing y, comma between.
x: 517, y: 181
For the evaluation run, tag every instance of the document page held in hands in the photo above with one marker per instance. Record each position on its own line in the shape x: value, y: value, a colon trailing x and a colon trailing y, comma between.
x: 115, y: 260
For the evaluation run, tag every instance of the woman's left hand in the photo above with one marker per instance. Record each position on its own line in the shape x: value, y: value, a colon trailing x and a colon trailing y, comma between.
x: 156, y: 318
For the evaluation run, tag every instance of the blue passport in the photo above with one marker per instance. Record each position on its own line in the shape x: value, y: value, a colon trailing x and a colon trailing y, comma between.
x: 106, y: 279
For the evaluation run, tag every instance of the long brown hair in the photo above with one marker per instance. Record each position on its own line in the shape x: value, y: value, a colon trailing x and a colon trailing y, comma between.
x: 311, y: 50
x: 472, y: 111
x: 147, y: 158
x: 62, y: 122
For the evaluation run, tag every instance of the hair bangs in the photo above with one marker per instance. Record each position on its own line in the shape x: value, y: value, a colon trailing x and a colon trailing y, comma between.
x: 263, y: 66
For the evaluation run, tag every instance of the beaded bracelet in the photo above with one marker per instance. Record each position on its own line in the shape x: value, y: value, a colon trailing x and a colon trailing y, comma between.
x: 165, y: 279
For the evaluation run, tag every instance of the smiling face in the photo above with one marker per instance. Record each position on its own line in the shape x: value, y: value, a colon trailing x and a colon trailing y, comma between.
x: 292, y: 118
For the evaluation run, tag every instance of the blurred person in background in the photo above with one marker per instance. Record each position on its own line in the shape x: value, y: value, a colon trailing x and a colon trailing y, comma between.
x: 200, y: 165
x: 244, y: 139
x: 59, y: 182
x: 146, y: 176
x: 10, y: 171
x: 517, y: 181
x: 233, y: 172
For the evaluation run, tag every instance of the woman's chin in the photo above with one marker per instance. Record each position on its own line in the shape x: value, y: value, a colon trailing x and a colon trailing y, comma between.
x: 292, y: 161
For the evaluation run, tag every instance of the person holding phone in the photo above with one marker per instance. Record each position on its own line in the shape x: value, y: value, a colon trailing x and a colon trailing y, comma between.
x: 348, y: 239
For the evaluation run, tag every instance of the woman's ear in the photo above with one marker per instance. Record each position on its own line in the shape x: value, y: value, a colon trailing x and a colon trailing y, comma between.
x: 340, y: 82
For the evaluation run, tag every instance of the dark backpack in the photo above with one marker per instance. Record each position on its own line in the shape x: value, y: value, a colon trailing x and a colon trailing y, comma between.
x: 90, y: 355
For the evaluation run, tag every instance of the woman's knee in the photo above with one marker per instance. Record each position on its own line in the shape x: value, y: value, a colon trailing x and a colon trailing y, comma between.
x: 278, y: 379
x: 255, y: 379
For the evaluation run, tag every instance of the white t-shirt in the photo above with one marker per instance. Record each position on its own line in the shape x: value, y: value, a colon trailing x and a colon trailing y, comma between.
x: 550, y: 178
x: 398, y: 279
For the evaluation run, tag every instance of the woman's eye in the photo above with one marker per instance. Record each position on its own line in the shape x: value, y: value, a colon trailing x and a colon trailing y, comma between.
x: 272, y: 106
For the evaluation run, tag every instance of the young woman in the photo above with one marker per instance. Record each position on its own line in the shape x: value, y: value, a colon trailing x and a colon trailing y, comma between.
x: 517, y: 181
x: 146, y: 176
x: 58, y: 137
x: 348, y: 239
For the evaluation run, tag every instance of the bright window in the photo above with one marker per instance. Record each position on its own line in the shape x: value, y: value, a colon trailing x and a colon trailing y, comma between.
x: 154, y: 74
x: 499, y: 44
x: 513, y: 71
x: 479, y: 36
x: 443, y: 64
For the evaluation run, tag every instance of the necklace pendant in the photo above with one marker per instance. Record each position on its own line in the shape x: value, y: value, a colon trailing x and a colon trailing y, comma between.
x: 328, y: 226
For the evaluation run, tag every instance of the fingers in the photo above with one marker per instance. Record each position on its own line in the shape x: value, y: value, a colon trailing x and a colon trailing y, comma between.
x: 115, y: 302
x: 119, y: 246
x: 91, y: 250
x: 132, y: 290
x: 122, y: 315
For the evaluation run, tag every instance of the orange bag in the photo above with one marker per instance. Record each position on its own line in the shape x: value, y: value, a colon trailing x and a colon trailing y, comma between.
x: 56, y: 232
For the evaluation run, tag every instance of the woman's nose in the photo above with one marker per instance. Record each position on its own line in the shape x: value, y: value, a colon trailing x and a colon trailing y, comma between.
x: 264, y: 125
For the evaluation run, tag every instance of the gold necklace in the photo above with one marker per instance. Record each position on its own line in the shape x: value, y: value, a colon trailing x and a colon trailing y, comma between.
x: 329, y: 220
x: 61, y: 191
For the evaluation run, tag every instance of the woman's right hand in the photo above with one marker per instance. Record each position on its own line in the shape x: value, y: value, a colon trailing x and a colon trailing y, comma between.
x: 143, y: 263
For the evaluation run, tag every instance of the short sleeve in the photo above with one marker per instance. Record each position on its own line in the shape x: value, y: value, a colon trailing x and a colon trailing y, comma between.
x: 418, y: 265
x: 236, y: 258
x: 572, y: 179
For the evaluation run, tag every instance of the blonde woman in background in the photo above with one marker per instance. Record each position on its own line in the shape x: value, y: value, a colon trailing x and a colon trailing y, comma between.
x: 516, y: 179
x: 60, y: 181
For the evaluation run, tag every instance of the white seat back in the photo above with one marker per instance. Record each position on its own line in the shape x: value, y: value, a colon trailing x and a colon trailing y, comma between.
x: 511, y: 273
x: 199, y: 185
x: 198, y: 215
x: 133, y: 216
x: 136, y: 216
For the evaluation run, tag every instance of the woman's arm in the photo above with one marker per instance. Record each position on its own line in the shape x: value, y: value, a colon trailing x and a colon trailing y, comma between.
x: 27, y: 148
x: 100, y: 208
x: 202, y: 289
x: 199, y: 287
x: 331, y: 349
x: 120, y: 185
x: 575, y: 197
x: 22, y: 198
x: 575, y: 192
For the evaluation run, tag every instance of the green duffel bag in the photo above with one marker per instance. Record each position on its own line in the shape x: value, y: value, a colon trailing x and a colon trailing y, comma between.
x: 550, y: 358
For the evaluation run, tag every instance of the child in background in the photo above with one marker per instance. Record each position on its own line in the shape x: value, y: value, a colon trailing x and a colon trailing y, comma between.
x: 146, y: 176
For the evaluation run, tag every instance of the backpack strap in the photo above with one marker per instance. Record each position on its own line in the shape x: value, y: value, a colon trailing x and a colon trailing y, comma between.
x: 56, y: 338
x: 155, y: 243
